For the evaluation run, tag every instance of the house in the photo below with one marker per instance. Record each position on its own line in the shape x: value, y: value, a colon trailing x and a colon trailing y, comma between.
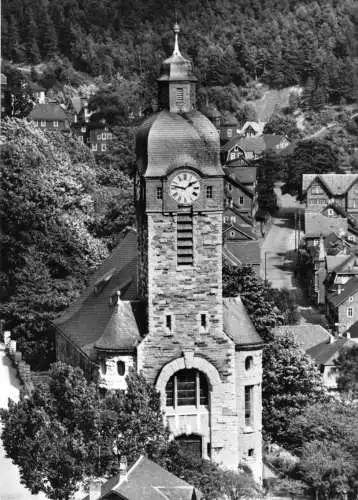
x: 276, y: 142
x: 324, y: 356
x: 240, y: 196
x: 49, y: 116
x: 156, y: 303
x: 342, y: 304
x: 251, y: 129
x: 145, y: 480
x: 251, y: 147
x: 98, y: 137
x: 321, y: 190
x: 352, y: 332
x: 228, y: 126
x: 323, y: 223
x: 232, y: 151
x: 246, y: 176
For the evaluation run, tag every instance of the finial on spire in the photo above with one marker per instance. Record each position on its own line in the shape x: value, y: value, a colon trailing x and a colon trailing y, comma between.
x: 176, y: 29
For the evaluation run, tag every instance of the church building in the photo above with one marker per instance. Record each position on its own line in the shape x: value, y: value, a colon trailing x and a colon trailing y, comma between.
x: 156, y: 303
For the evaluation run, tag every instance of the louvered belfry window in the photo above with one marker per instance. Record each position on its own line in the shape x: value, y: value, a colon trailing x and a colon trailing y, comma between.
x: 185, y: 239
x: 180, y: 95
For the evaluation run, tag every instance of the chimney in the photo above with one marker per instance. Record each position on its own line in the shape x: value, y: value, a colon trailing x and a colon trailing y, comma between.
x: 95, y: 489
x: 42, y: 97
x: 123, y: 469
x: 331, y: 340
x: 339, y: 289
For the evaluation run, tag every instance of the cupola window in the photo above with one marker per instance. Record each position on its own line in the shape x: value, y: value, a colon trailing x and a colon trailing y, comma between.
x: 249, y: 389
x: 180, y: 95
x: 159, y: 193
x: 249, y: 362
x: 168, y: 322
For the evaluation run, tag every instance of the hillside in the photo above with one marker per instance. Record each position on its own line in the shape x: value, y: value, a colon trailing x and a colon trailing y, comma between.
x: 232, y: 42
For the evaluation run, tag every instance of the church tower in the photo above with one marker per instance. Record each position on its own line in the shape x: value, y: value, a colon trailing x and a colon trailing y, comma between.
x: 201, y: 352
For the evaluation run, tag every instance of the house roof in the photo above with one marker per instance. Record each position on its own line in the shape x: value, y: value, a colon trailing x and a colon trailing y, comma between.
x: 335, y: 261
x: 244, y: 230
x: 48, y: 111
x: 254, y: 144
x: 238, y: 325
x: 257, y: 126
x: 347, y: 290
x: 228, y: 120
x: 242, y: 219
x: 325, y: 352
x: 146, y: 480
x: 336, y: 184
x: 307, y: 335
x: 231, y: 143
x: 242, y: 252
x: 245, y: 188
x: 244, y: 175
x: 210, y: 111
x: 97, y: 318
x: 317, y: 224
x: 353, y: 331
x: 273, y: 140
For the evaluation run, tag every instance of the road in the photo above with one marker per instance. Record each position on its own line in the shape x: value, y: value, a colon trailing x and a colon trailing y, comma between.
x: 10, y: 486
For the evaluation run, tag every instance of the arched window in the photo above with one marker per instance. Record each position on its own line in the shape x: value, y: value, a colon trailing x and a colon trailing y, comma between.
x: 187, y: 388
x: 121, y: 367
x: 249, y: 362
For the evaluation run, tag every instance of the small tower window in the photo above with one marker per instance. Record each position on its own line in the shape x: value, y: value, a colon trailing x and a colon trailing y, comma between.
x: 251, y: 453
x: 249, y: 362
x: 209, y: 191
x: 180, y: 95
x: 159, y: 193
x: 103, y: 366
x: 121, y: 368
x: 168, y: 322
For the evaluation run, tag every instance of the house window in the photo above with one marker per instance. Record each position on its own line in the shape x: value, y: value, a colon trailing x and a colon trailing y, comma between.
x: 104, y: 136
x: 229, y: 186
x: 249, y: 389
x: 350, y: 312
x: 249, y: 361
x: 233, y: 219
x: 98, y: 137
x: 232, y: 156
x: 209, y: 191
x: 55, y: 124
x: 351, y: 237
x: 103, y: 147
x: 187, y: 388
x: 121, y: 368
x: 229, y: 132
x: 185, y: 255
x: 94, y: 147
x: 180, y: 95
x: 241, y: 200
x: 43, y: 123
x: 83, y: 129
x: 168, y: 322
x: 330, y: 212
x: 231, y: 203
x: 159, y: 193
x: 109, y: 135
x: 317, y: 190
x: 232, y: 234
x: 350, y: 299
x: 226, y: 219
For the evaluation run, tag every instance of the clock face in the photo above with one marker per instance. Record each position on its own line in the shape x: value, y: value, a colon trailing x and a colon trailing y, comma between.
x: 185, y: 188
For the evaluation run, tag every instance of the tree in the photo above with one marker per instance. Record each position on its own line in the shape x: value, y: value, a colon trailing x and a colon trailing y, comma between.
x: 347, y: 367
x: 282, y: 125
x: 66, y: 432
x: 47, y: 203
x: 290, y: 382
x: 19, y: 98
x: 311, y: 156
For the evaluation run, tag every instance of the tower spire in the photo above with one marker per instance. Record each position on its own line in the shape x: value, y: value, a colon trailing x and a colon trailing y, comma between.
x: 176, y: 29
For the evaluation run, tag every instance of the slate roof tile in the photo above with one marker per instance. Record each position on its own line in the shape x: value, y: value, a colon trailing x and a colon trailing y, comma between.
x: 325, y: 352
x: 307, y: 335
x: 49, y: 111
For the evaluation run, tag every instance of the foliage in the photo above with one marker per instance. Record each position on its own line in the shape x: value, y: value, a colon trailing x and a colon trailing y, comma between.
x: 65, y: 431
x: 281, y: 43
x: 208, y: 477
x: 255, y: 295
x: 282, y: 125
x: 347, y: 366
x: 48, y: 182
x: 309, y: 157
x: 290, y: 382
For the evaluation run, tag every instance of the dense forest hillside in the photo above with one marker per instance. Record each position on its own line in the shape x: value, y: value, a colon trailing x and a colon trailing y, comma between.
x: 280, y: 42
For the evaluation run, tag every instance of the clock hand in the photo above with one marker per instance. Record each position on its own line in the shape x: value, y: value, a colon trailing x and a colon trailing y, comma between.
x: 191, y: 183
x: 179, y: 187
